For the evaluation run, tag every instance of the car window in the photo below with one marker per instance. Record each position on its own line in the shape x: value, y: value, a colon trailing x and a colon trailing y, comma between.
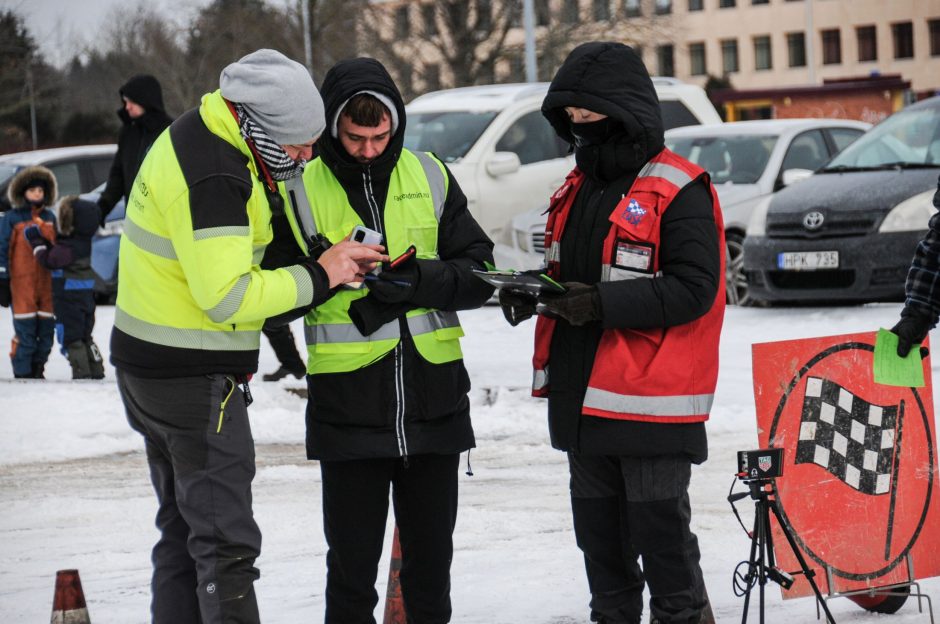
x: 908, y: 137
x: 676, y: 114
x: 67, y: 178
x: 737, y: 159
x: 806, y: 151
x: 100, y: 169
x: 6, y: 172
x: 450, y: 135
x: 843, y: 137
x: 532, y: 139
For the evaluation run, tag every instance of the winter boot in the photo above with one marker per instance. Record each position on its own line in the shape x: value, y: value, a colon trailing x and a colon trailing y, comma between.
x: 95, y: 361
x: 78, y: 358
x: 39, y: 370
x: 283, y: 372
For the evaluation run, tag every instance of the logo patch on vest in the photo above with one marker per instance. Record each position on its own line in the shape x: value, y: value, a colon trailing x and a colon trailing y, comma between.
x: 633, y: 213
x: 633, y: 256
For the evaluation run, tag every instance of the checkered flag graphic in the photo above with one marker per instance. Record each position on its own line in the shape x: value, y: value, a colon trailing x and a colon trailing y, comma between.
x: 848, y: 436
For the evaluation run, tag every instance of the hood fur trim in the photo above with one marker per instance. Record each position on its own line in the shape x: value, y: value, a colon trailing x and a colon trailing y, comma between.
x: 16, y: 191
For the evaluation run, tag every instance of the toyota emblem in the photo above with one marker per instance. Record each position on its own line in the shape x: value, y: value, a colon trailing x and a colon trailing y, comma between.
x: 813, y: 220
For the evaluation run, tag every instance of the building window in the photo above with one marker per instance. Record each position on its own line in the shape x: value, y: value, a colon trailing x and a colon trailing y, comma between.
x: 402, y: 22
x: 760, y: 1
x: 631, y: 8
x: 934, y: 27
x: 729, y: 55
x: 695, y: 5
x: 429, y: 15
x: 867, y: 43
x: 570, y: 12
x: 485, y: 15
x: 601, y: 10
x: 542, y: 13
x: 432, y: 77
x: 903, y: 33
x: 697, y: 65
x: 665, y: 57
x: 796, y: 49
x: 726, y: 4
x: 831, y: 47
x: 663, y: 7
x: 762, y: 56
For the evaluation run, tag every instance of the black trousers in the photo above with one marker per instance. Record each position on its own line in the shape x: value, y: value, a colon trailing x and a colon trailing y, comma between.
x: 355, y: 511
x: 202, y: 461
x: 628, y: 509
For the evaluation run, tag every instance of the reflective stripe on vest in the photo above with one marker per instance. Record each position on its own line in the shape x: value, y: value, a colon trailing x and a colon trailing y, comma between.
x: 613, y: 274
x: 666, y: 171
x: 665, y: 406
x: 186, y: 338
x: 430, y: 321
x: 539, y: 379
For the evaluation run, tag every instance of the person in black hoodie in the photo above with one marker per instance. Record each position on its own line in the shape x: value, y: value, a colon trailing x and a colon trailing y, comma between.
x: 143, y: 119
x: 387, y: 386
x: 73, y: 280
x: 628, y: 356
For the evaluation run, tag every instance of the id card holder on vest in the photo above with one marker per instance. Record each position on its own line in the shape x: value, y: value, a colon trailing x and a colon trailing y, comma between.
x: 632, y: 255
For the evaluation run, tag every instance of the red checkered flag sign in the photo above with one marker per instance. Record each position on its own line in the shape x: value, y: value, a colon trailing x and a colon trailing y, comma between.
x: 853, y: 439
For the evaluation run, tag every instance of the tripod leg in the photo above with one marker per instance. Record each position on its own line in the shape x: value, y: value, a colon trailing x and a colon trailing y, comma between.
x: 752, y: 564
x: 766, y: 554
x: 809, y: 574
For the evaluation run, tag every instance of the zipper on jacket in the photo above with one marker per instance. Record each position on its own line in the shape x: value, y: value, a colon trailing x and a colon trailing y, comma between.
x: 398, y: 353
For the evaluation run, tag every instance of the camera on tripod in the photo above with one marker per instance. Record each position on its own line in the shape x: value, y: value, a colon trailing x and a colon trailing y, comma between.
x: 760, y: 465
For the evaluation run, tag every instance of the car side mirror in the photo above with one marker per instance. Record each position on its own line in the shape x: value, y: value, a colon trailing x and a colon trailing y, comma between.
x: 791, y: 176
x: 503, y: 163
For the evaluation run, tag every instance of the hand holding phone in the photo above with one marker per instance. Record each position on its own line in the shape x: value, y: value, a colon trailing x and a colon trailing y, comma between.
x: 408, y: 254
x: 366, y: 236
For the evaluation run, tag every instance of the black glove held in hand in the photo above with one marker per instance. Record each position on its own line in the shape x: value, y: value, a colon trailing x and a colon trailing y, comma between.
x: 395, y: 285
x: 911, y: 329
x: 5, y: 296
x: 579, y: 305
x: 517, y: 305
x: 35, y: 237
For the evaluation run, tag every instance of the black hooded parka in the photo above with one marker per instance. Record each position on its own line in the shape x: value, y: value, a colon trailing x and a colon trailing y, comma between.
x: 366, y: 412
x: 610, y: 78
x: 135, y: 139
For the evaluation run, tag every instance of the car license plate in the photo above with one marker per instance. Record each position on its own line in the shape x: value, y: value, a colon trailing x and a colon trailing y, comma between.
x: 808, y: 260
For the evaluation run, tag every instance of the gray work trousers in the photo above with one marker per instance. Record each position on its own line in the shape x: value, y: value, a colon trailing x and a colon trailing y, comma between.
x: 202, y: 460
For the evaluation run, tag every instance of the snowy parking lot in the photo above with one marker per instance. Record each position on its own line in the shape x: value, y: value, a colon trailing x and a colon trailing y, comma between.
x: 75, y: 491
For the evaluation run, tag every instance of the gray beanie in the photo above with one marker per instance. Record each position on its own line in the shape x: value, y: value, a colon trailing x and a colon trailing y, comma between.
x: 278, y: 93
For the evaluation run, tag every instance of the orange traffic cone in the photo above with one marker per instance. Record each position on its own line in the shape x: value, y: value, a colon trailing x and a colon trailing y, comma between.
x: 68, y: 604
x: 394, y: 605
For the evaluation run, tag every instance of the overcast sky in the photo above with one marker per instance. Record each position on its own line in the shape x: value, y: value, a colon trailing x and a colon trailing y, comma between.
x: 63, y: 28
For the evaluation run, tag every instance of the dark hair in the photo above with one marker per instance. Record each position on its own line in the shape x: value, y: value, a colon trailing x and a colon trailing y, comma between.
x: 365, y: 110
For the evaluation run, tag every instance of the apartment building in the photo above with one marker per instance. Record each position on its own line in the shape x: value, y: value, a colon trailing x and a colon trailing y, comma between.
x: 755, y: 44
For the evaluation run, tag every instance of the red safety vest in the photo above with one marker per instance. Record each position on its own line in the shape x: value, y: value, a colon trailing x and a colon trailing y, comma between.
x: 663, y: 375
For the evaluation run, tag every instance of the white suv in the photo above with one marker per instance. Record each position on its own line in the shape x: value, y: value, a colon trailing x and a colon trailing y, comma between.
x: 503, y: 152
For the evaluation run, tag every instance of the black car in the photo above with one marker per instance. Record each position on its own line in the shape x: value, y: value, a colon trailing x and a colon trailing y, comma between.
x: 848, y: 232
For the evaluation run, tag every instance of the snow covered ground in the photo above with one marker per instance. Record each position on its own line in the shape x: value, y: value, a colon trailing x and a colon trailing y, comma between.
x: 75, y: 493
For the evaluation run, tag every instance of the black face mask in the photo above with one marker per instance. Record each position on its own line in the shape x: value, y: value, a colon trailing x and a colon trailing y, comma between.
x: 592, y: 132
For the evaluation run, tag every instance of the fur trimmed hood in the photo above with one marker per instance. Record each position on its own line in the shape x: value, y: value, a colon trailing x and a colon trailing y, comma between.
x: 27, y: 177
x: 77, y: 217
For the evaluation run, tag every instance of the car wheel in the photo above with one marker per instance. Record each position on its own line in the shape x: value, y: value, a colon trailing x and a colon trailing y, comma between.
x: 735, y: 280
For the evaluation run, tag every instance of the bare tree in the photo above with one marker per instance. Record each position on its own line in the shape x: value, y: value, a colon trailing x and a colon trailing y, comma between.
x: 463, y: 38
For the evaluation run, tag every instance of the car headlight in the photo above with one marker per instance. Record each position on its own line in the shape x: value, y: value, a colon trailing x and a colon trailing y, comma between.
x: 522, y: 240
x: 912, y: 214
x: 112, y: 228
x: 757, y: 224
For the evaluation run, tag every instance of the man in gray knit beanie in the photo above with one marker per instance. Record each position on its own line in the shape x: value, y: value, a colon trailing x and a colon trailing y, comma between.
x: 193, y: 296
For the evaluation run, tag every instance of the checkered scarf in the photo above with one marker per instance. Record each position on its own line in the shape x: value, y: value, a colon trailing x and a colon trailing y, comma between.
x: 277, y: 161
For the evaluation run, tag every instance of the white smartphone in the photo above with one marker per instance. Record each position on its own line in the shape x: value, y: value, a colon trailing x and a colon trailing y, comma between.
x: 366, y: 236
x: 362, y: 234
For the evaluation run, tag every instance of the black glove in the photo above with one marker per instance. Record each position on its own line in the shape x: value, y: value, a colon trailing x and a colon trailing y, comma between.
x: 103, y: 211
x: 368, y: 314
x: 35, y: 237
x: 579, y: 305
x: 518, y: 305
x: 911, y: 330
x: 5, y: 295
x: 395, y: 285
